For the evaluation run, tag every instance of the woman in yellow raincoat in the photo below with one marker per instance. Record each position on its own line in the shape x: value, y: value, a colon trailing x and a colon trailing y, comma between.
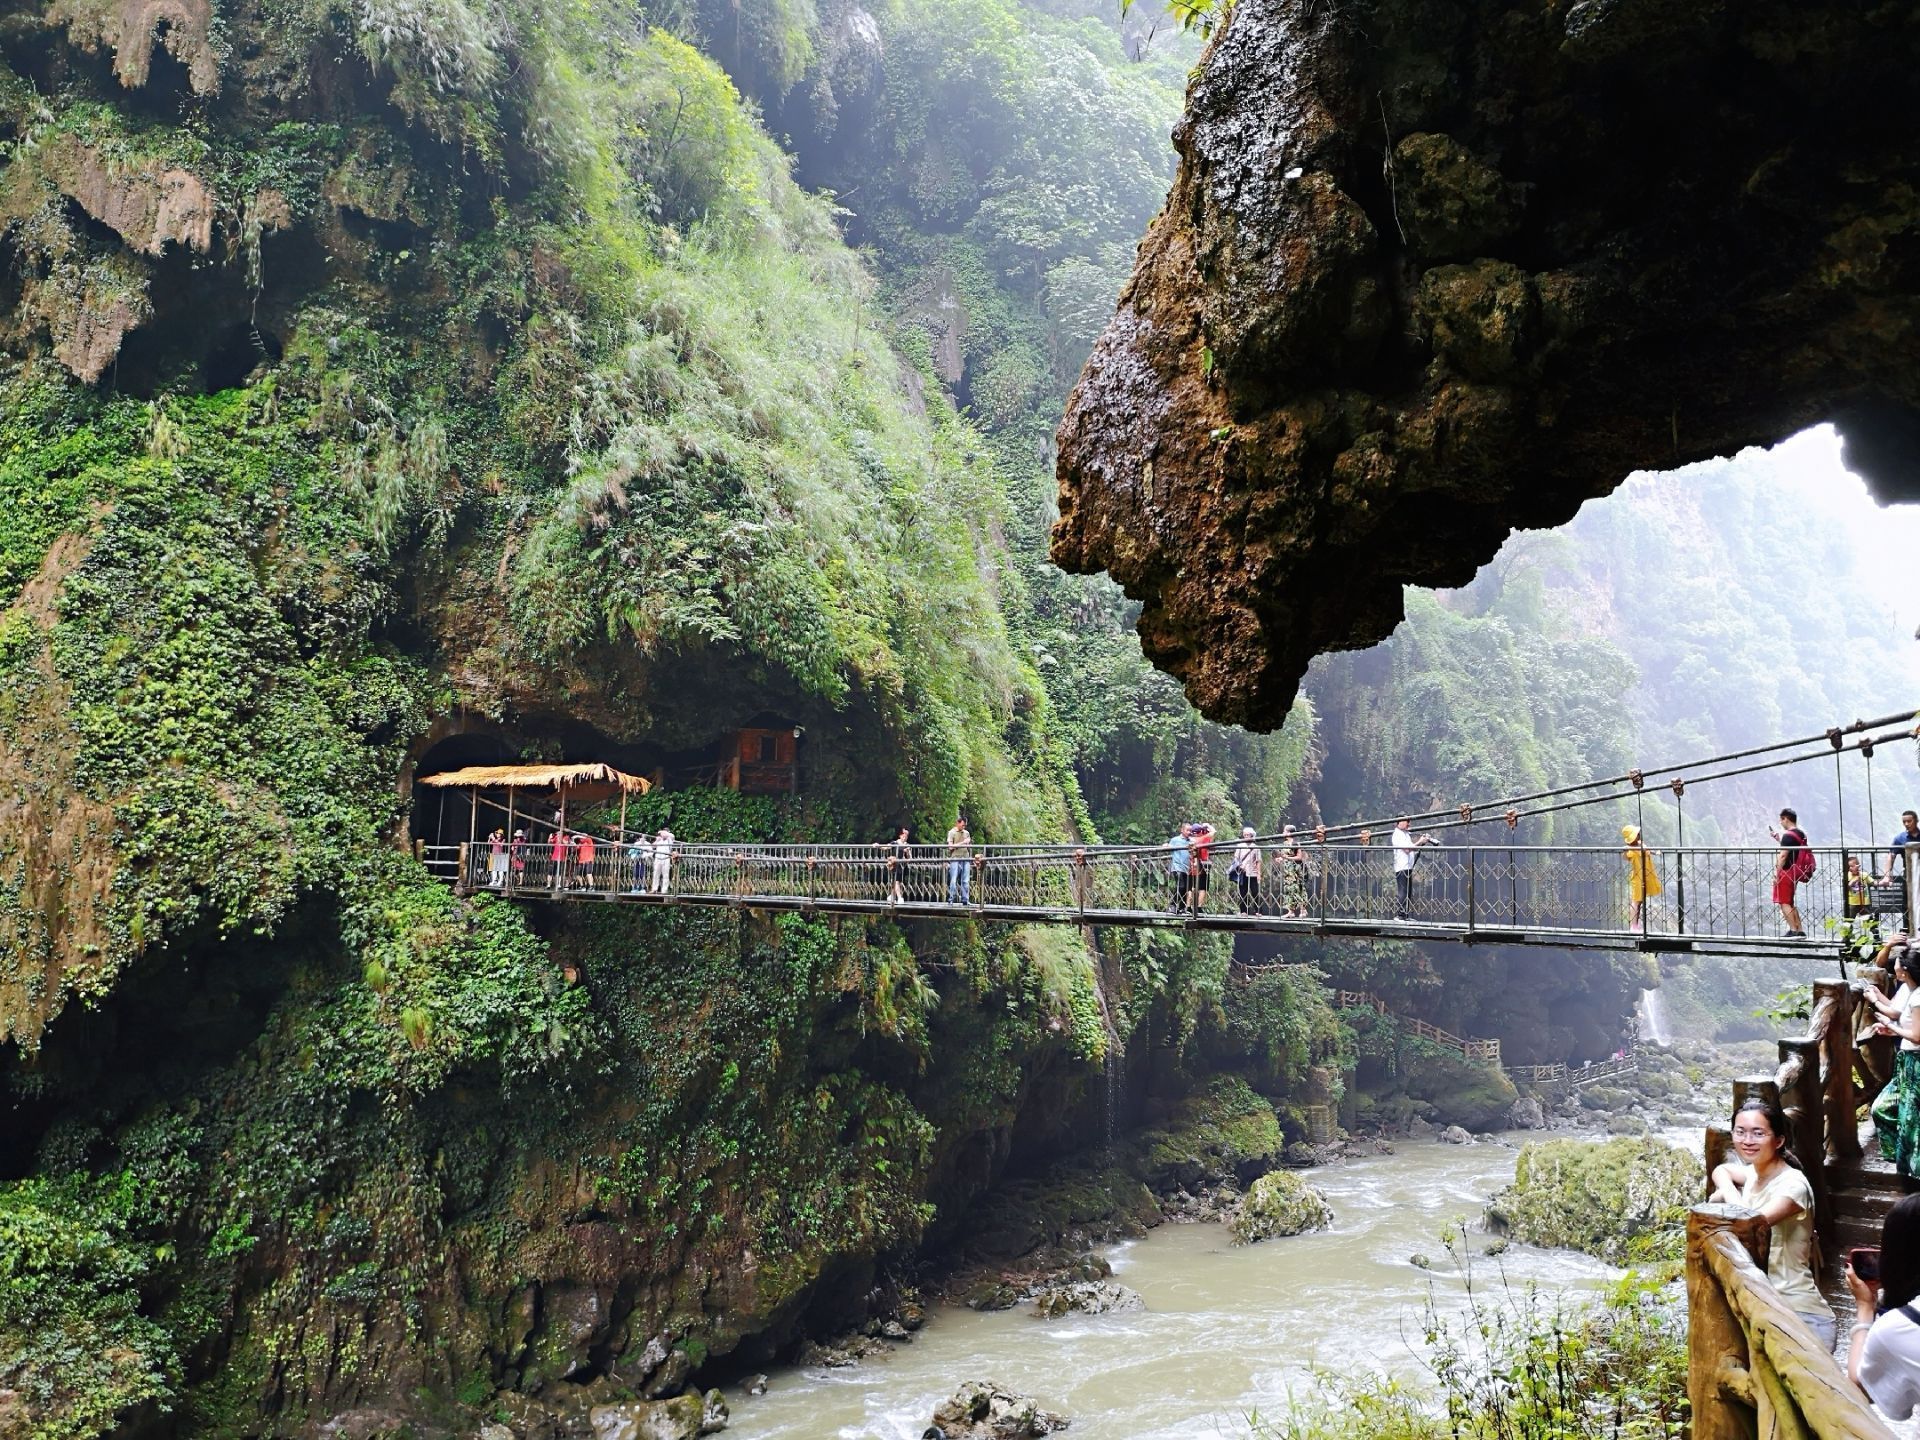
x: 1641, y: 881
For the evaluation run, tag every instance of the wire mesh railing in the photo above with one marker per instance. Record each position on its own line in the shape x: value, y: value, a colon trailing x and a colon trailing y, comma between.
x: 1693, y: 893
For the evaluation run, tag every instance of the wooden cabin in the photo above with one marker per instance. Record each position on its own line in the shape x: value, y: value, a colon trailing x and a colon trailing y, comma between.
x: 763, y: 762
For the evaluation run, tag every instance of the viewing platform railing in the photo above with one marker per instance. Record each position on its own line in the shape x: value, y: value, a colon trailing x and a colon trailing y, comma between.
x: 1520, y: 894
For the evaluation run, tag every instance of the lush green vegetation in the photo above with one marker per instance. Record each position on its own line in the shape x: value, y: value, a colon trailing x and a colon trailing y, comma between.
x: 1520, y: 1366
x: 521, y: 385
x: 549, y: 398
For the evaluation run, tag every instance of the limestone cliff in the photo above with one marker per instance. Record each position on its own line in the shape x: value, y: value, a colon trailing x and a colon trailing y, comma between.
x: 1430, y: 271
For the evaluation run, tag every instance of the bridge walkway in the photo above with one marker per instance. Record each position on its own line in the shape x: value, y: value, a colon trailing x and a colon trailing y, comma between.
x: 1712, y: 899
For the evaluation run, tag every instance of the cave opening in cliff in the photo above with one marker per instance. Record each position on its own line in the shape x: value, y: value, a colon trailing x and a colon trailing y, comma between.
x: 445, y: 817
x: 237, y: 350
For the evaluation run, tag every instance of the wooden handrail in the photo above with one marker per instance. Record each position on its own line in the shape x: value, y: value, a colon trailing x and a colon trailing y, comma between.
x: 1753, y: 1366
x: 1487, y: 1050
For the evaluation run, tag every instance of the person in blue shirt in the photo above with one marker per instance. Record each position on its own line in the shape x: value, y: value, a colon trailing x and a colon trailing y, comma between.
x: 1180, y: 867
x: 1909, y: 833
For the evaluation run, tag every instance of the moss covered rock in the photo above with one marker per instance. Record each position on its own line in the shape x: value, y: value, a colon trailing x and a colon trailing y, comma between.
x: 1623, y: 1200
x: 1224, y: 1130
x: 1280, y: 1203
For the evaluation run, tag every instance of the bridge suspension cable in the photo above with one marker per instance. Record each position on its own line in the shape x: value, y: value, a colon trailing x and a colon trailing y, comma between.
x: 1833, y: 738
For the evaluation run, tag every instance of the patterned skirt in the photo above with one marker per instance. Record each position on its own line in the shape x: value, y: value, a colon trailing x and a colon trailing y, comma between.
x: 1906, y: 1121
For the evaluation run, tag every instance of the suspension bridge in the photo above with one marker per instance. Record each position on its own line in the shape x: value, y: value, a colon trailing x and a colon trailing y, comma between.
x: 1478, y: 885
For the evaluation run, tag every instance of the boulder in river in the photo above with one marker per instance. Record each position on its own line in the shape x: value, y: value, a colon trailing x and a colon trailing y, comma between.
x: 1527, y: 1114
x: 1280, y: 1203
x: 1088, y: 1297
x: 982, y: 1410
x: 1455, y: 1135
x: 684, y: 1417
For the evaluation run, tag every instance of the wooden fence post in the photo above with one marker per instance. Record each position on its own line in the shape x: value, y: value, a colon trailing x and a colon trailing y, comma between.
x: 1836, y: 1071
x: 1806, y: 1114
x: 1715, y: 1340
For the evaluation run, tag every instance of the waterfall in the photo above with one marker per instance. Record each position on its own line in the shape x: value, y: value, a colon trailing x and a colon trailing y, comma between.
x: 1653, y: 1017
x: 1116, y: 1049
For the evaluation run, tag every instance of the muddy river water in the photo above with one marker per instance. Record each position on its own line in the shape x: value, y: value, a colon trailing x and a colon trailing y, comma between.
x: 1227, y: 1330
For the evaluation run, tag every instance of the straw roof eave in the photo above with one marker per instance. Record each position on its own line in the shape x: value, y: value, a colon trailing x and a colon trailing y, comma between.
x: 537, y: 777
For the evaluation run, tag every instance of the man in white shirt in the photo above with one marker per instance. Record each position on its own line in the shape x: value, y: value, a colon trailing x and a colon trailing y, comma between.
x: 1405, y: 843
x: 662, y: 860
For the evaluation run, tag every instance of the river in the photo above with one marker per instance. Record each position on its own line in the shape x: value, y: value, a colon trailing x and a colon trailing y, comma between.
x: 1227, y: 1329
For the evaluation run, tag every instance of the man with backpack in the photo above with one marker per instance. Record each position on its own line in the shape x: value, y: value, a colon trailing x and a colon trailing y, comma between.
x: 1793, y: 866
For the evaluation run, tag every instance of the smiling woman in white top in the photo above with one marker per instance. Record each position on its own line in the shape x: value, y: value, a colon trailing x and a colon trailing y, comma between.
x: 1769, y: 1179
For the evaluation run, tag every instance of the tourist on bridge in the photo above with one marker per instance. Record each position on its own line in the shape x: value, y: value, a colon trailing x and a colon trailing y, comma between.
x: 1859, y: 896
x: 1909, y: 834
x: 1641, y: 881
x: 1180, y: 867
x: 899, y: 853
x: 662, y: 860
x: 1897, y: 1017
x: 1293, y: 877
x: 959, y: 867
x: 1201, y: 834
x: 497, y: 858
x: 1769, y: 1179
x: 1792, y: 866
x: 519, y: 850
x: 562, y: 848
x: 583, y: 860
x: 1245, y: 873
x: 639, y: 857
x: 1883, y: 1356
x: 1406, y: 848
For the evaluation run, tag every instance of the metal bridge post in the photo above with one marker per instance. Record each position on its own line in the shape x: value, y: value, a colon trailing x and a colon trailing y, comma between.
x: 1326, y: 884
x: 1906, y: 884
x: 1680, y: 859
x: 1473, y: 873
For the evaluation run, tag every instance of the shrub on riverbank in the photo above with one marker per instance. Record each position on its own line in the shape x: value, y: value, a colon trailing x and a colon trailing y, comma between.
x: 1623, y: 1200
x: 1518, y: 1366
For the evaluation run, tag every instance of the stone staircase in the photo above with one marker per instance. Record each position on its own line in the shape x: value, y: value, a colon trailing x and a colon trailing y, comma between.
x: 1860, y: 1192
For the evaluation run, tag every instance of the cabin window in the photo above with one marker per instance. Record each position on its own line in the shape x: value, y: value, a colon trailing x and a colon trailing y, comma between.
x: 768, y: 750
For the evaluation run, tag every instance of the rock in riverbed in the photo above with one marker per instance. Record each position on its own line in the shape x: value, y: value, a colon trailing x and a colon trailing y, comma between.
x: 685, y: 1417
x: 1280, y: 1203
x: 1089, y: 1297
x: 982, y: 1410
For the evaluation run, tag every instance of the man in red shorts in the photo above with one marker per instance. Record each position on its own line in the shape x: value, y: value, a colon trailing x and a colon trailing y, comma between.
x: 1788, y: 866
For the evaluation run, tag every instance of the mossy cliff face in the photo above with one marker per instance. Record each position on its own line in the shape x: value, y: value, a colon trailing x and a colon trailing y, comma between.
x: 1430, y: 272
x: 367, y: 378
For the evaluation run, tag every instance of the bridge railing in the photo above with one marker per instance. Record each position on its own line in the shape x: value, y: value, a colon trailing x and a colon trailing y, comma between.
x: 1710, y: 893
